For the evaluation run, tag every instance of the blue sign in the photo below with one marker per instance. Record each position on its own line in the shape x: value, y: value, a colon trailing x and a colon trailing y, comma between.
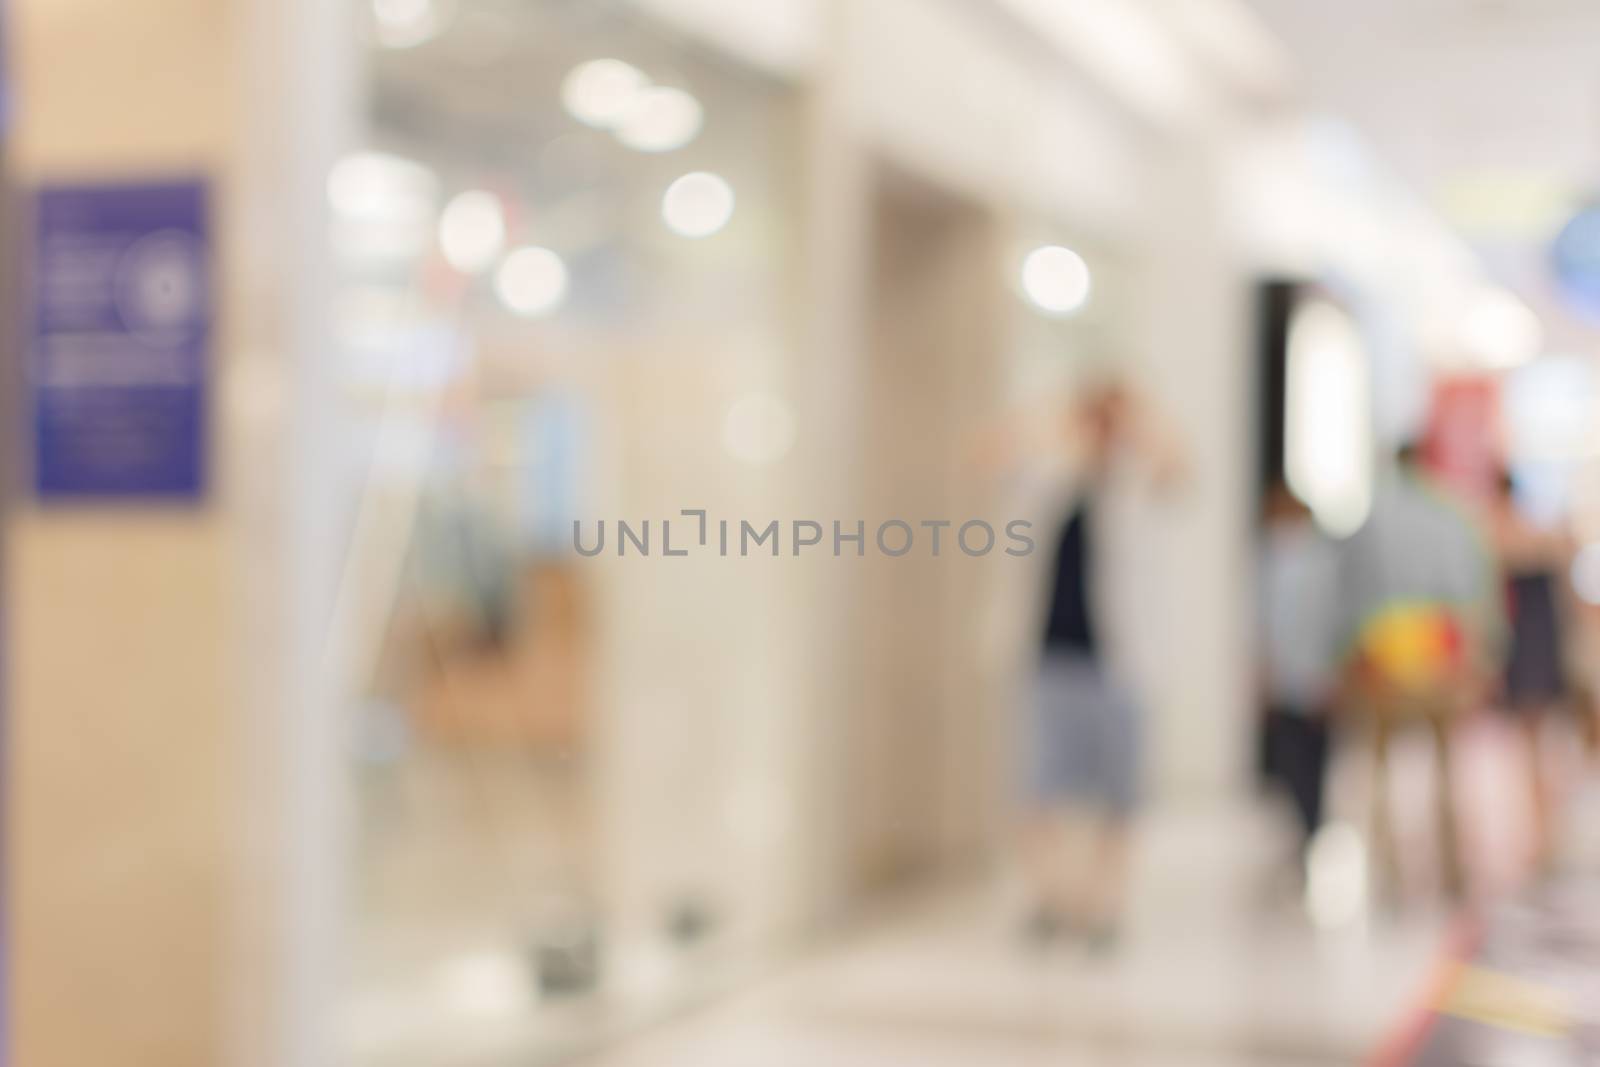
x: 122, y: 319
x: 1576, y: 259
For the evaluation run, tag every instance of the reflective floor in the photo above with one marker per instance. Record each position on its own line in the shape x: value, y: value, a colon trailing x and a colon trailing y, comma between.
x: 1220, y: 968
x: 1223, y: 956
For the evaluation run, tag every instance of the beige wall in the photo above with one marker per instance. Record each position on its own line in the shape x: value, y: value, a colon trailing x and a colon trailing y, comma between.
x: 120, y: 658
x: 150, y: 647
x: 1044, y: 146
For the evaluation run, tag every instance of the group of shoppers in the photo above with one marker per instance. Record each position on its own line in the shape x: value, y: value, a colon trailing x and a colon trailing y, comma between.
x: 1441, y: 604
x: 1436, y: 606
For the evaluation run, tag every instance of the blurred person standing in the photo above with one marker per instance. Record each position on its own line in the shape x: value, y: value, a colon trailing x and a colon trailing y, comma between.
x: 1298, y: 587
x: 1533, y: 561
x: 1419, y: 612
x: 1084, y: 743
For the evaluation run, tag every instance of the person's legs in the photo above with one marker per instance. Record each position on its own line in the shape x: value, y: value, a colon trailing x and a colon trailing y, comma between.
x: 1115, y: 773
x: 1044, y: 854
x: 1044, y: 840
x: 1449, y: 829
x: 1084, y: 770
x: 1529, y: 719
x: 1303, y: 763
x: 1106, y: 890
x: 1385, y: 852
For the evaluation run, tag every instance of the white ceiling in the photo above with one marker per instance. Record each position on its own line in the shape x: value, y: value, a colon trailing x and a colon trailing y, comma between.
x: 1489, y: 109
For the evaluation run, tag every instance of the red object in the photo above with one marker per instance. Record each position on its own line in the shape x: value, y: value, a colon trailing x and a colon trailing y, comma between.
x: 1454, y: 644
x: 1459, y: 444
x: 1406, y: 1040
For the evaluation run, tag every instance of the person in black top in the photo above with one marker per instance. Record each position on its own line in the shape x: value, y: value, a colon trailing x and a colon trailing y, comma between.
x: 1069, y: 624
x: 1083, y: 741
x: 1533, y: 561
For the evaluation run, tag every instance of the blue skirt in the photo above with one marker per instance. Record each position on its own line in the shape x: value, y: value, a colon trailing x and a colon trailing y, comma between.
x: 1085, y: 744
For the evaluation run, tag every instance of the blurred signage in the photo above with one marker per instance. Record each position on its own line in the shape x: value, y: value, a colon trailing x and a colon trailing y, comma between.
x: 1576, y: 259
x: 122, y: 322
x: 1459, y: 441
